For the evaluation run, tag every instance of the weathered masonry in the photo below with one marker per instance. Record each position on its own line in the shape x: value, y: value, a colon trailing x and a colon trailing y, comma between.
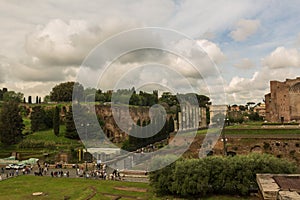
x: 283, y: 102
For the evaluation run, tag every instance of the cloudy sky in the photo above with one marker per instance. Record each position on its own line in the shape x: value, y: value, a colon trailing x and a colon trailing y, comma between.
x: 251, y: 42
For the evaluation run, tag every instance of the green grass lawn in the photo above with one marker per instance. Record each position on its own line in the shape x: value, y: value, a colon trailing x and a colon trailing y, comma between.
x: 252, y: 128
x: 262, y: 131
x: 48, y: 135
x: 58, y: 143
x: 22, y: 187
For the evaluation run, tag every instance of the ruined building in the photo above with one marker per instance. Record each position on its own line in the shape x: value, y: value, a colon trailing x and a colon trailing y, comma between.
x: 283, y: 102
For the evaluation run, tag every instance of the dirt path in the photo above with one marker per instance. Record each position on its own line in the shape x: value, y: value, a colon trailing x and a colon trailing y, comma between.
x: 131, y: 189
x: 93, y: 193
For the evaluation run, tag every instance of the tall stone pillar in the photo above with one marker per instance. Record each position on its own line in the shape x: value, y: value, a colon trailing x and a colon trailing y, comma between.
x: 183, y: 117
x: 195, y: 121
x: 175, y: 125
x: 188, y: 125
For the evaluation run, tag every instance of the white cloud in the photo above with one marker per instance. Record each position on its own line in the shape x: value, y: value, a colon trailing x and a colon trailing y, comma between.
x: 244, y: 29
x: 245, y: 63
x: 213, y: 50
x: 31, y: 88
x: 282, y: 58
x: 68, y: 43
x: 66, y: 32
x: 239, y: 89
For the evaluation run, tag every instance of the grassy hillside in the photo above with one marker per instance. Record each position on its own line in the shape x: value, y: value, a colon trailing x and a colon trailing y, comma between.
x: 39, y: 143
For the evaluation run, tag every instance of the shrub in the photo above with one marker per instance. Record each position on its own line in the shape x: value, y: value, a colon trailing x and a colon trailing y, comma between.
x: 36, y: 144
x: 266, y: 146
x: 216, y: 175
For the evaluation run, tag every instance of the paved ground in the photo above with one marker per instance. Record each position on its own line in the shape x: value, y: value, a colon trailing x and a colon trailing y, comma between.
x: 72, y: 174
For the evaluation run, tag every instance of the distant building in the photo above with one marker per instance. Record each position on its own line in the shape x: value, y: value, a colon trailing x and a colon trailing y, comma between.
x: 283, y: 103
x: 218, y: 110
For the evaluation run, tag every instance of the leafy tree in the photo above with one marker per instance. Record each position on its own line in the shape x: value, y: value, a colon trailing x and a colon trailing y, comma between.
x: 13, y: 96
x: 2, y: 93
x: 11, y: 123
x: 89, y: 94
x: 56, y: 120
x: 47, y: 99
x: 254, y: 116
x: 64, y: 92
x: 38, y: 118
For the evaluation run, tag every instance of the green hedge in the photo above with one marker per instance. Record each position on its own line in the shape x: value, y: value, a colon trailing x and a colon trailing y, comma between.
x: 29, y: 143
x: 216, y: 175
x: 278, y: 123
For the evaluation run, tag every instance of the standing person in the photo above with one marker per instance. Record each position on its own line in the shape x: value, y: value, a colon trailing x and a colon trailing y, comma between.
x: 45, y: 170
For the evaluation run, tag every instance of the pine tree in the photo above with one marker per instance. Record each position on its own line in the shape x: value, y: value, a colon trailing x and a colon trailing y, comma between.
x: 56, y: 120
x: 11, y: 123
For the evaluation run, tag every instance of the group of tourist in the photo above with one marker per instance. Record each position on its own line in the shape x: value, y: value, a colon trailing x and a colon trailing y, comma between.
x: 60, y: 174
x: 98, y: 172
x: 14, y: 172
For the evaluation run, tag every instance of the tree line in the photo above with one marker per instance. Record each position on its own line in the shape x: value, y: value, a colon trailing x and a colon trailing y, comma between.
x: 43, y: 117
x: 63, y: 92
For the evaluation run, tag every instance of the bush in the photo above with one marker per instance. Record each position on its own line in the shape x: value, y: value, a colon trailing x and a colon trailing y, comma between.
x: 279, y: 123
x: 36, y: 144
x: 216, y: 175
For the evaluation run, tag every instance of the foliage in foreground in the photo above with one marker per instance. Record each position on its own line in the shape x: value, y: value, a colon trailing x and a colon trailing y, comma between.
x: 11, y: 123
x: 216, y: 175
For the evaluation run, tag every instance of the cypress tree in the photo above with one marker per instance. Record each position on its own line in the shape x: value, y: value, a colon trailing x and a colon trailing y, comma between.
x: 29, y: 100
x: 171, y: 125
x: 38, y: 117
x: 71, y: 131
x: 56, y: 120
